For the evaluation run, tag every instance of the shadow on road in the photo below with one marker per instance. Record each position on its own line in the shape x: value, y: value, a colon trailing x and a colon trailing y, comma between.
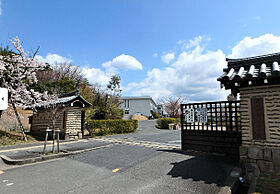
x: 203, y: 167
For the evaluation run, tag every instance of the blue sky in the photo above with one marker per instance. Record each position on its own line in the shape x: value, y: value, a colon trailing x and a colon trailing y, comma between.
x: 159, y: 48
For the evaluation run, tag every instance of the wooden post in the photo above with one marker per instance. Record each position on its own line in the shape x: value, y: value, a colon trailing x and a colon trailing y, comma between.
x: 58, y: 141
x: 53, y: 140
x: 46, y: 139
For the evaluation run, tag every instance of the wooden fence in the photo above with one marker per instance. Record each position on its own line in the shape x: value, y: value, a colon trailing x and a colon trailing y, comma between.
x: 211, y: 127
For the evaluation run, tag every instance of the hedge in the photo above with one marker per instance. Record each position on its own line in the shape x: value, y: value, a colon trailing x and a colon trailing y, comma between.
x: 162, y: 123
x: 107, y: 127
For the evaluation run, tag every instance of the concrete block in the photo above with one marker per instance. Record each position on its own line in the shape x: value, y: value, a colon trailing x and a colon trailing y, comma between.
x: 265, y: 166
x: 276, y: 157
x: 243, y: 150
x: 267, y: 154
x: 255, y: 153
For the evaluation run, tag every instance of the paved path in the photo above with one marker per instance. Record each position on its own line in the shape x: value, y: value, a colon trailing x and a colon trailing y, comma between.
x: 131, y: 165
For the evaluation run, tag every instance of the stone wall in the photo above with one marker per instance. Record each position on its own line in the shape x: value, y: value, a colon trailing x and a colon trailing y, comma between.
x: 256, y: 159
x: 261, y: 155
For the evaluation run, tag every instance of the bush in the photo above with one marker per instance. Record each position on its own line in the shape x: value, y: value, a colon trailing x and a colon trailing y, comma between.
x: 162, y: 123
x: 155, y: 115
x: 107, y: 127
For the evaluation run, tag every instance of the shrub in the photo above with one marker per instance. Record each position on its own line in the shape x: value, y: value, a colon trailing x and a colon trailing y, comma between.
x: 107, y: 127
x: 162, y: 123
x: 155, y: 115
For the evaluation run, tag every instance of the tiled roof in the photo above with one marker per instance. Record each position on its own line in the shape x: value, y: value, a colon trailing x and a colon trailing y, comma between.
x: 259, y: 70
x: 64, y: 100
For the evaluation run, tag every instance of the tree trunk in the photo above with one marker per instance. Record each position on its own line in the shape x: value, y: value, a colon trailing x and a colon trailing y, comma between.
x: 19, y: 121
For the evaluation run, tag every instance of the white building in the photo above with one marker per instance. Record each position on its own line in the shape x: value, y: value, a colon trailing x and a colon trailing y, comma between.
x: 141, y: 105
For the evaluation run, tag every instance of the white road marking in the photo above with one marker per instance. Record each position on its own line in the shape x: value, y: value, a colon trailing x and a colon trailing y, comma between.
x: 4, y: 181
x: 9, y: 184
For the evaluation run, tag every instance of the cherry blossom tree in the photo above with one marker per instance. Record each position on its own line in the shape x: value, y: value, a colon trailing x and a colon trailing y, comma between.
x: 172, y: 105
x: 17, y: 72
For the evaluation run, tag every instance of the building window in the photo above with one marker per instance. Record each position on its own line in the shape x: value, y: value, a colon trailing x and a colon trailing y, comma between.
x: 126, y: 103
x: 126, y: 112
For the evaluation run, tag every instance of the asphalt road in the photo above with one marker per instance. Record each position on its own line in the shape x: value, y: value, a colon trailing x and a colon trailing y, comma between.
x: 123, y: 168
x: 147, y: 132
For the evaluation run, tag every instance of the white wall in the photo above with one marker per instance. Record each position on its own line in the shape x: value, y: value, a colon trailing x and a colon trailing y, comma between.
x: 137, y: 105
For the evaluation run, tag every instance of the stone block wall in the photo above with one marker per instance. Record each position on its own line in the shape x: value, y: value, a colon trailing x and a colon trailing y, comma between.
x: 257, y: 159
x: 261, y: 155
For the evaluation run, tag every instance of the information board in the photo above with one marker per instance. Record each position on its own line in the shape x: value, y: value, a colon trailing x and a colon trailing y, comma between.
x: 3, y: 98
x: 196, y: 115
x: 201, y: 115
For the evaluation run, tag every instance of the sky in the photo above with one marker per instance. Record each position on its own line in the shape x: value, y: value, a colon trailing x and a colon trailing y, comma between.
x: 158, y: 47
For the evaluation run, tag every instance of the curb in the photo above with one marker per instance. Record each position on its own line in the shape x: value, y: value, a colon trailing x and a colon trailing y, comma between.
x: 11, y: 161
x: 232, y: 182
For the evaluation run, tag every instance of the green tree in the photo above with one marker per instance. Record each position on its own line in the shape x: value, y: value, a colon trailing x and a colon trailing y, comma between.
x: 114, y: 85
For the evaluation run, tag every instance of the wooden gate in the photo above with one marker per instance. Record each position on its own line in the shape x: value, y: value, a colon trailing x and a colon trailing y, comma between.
x: 211, y: 127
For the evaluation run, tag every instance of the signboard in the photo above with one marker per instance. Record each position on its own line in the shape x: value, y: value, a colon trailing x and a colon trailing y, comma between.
x: 189, y: 115
x: 196, y: 115
x: 3, y: 98
x: 201, y: 115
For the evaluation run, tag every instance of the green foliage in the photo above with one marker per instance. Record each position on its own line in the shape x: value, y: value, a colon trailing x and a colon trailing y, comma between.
x: 62, y: 86
x: 114, y: 113
x: 106, y: 107
x: 162, y: 123
x: 107, y: 127
x: 6, y: 51
x: 155, y: 115
x: 114, y: 85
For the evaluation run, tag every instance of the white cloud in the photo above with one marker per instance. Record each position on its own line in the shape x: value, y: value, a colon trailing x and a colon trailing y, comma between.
x: 197, y: 41
x: 96, y: 75
x: 167, y: 58
x: 248, y: 47
x: 195, y: 71
x: 193, y: 75
x: 122, y: 62
x: 155, y: 55
x: 53, y: 59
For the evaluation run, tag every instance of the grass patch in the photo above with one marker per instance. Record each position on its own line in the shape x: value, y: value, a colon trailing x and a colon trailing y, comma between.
x: 268, y: 184
x: 11, y: 138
